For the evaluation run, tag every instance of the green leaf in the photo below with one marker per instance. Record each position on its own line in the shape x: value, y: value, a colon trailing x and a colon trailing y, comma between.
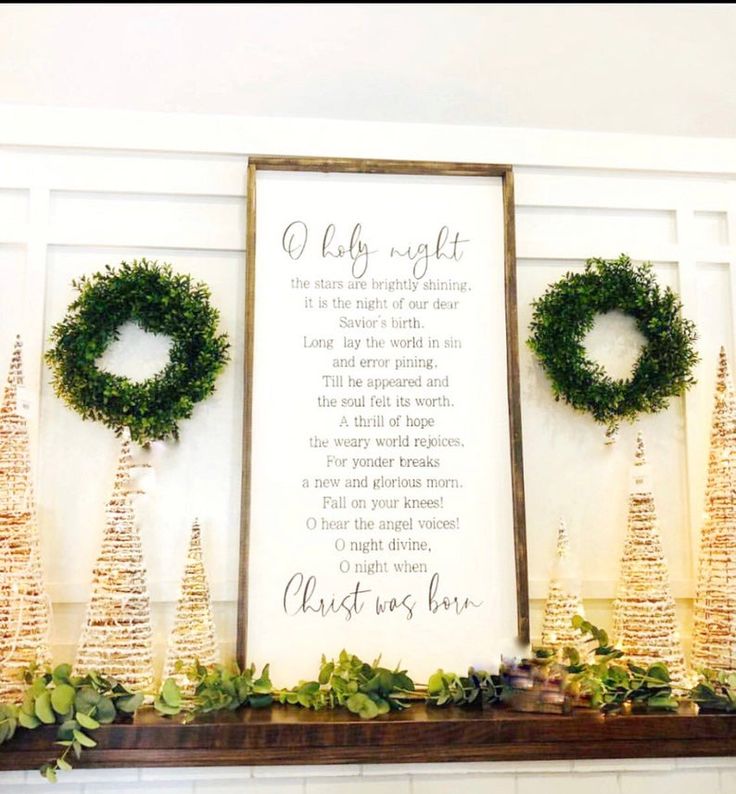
x: 105, y: 712
x: 163, y: 708
x: 28, y: 722
x: 84, y: 740
x: 62, y: 673
x: 43, y: 709
x: 87, y: 722
x: 171, y: 694
x: 63, y: 764
x: 86, y: 699
x: 436, y: 683
x: 130, y: 703
x: 49, y: 772
x: 66, y: 730
x: 260, y: 701
x: 326, y: 672
x: 62, y: 698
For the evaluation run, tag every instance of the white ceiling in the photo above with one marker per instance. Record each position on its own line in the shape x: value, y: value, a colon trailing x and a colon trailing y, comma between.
x: 667, y: 69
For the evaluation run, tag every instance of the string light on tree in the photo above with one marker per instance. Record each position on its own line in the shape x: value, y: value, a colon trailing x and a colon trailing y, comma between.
x: 563, y: 599
x: 193, y: 638
x: 645, y: 623
x: 714, y: 625
x: 116, y: 638
x: 24, y: 603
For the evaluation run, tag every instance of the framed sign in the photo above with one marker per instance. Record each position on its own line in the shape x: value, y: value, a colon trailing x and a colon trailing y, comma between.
x: 383, y: 499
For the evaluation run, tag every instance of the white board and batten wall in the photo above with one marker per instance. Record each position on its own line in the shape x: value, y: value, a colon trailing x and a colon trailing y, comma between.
x: 81, y: 189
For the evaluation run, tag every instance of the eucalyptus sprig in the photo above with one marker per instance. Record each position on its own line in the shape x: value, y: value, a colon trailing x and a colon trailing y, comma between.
x: 364, y: 689
x: 77, y: 704
x: 609, y: 682
x: 216, y: 688
x: 476, y: 688
x: 716, y: 691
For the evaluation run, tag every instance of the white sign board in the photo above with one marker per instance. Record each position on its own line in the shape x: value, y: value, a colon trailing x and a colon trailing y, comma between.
x: 379, y: 475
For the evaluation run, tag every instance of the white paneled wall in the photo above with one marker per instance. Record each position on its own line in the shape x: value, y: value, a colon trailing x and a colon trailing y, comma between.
x: 76, y: 200
x: 66, y: 212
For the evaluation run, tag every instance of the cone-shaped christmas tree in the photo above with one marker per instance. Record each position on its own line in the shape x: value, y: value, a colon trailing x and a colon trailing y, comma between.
x: 116, y: 638
x: 645, y: 623
x: 24, y: 603
x: 193, y: 636
x: 714, y: 627
x: 563, y: 599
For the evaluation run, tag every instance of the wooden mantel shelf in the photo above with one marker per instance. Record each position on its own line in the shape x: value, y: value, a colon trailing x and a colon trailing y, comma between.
x: 283, y: 735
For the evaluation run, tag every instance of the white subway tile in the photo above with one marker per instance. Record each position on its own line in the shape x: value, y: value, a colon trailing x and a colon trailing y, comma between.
x: 386, y: 770
x: 677, y: 782
x: 708, y: 762
x: 530, y: 767
x: 363, y: 785
x: 251, y: 786
x: 82, y: 776
x: 182, y: 787
x: 59, y: 788
x: 446, y: 768
x: 6, y: 778
x: 594, y: 765
x: 78, y: 777
x: 196, y: 773
x: 467, y: 784
x: 728, y: 781
x: 606, y: 783
x: 307, y: 770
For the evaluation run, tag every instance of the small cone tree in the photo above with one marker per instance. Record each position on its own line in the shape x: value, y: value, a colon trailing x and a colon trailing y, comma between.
x: 24, y: 603
x: 116, y: 638
x: 563, y: 599
x: 714, y: 626
x: 193, y: 638
x: 645, y: 622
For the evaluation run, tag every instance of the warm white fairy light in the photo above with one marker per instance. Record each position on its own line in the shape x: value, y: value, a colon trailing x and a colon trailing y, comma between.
x: 193, y: 637
x: 645, y: 620
x: 24, y: 603
x: 563, y: 599
x: 714, y: 625
x: 117, y: 638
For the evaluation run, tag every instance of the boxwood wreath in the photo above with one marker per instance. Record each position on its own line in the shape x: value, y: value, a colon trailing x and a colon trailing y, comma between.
x: 161, y: 302
x: 567, y: 311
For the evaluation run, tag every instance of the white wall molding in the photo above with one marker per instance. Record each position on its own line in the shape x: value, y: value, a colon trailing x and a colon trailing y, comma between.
x: 198, y: 133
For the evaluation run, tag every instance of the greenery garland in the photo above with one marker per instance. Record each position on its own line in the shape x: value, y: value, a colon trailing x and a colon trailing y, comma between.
x: 603, y: 680
x: 161, y: 302
x: 567, y: 311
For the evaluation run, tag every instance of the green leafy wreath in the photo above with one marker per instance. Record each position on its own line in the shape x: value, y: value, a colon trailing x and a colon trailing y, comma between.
x: 567, y: 311
x: 161, y: 302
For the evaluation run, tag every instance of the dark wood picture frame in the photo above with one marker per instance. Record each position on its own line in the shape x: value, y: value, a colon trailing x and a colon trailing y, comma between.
x: 407, y: 167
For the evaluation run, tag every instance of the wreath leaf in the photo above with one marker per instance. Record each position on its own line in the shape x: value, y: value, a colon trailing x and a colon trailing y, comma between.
x: 159, y: 301
x: 567, y: 311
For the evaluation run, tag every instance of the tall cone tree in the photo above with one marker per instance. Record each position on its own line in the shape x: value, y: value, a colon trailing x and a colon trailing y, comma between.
x: 645, y: 621
x: 24, y: 603
x: 193, y: 637
x: 714, y: 626
x: 563, y: 599
x: 116, y: 638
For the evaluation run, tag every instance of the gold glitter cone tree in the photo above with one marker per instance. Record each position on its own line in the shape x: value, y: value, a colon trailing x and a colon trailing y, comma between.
x: 193, y: 637
x: 714, y: 625
x: 563, y: 599
x: 116, y: 638
x: 645, y: 621
x: 24, y: 603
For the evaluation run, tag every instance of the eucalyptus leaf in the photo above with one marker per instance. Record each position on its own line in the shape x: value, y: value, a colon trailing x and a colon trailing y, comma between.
x: 62, y: 698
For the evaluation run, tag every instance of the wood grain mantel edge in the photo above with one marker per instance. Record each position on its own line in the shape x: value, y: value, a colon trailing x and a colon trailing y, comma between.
x: 282, y: 736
